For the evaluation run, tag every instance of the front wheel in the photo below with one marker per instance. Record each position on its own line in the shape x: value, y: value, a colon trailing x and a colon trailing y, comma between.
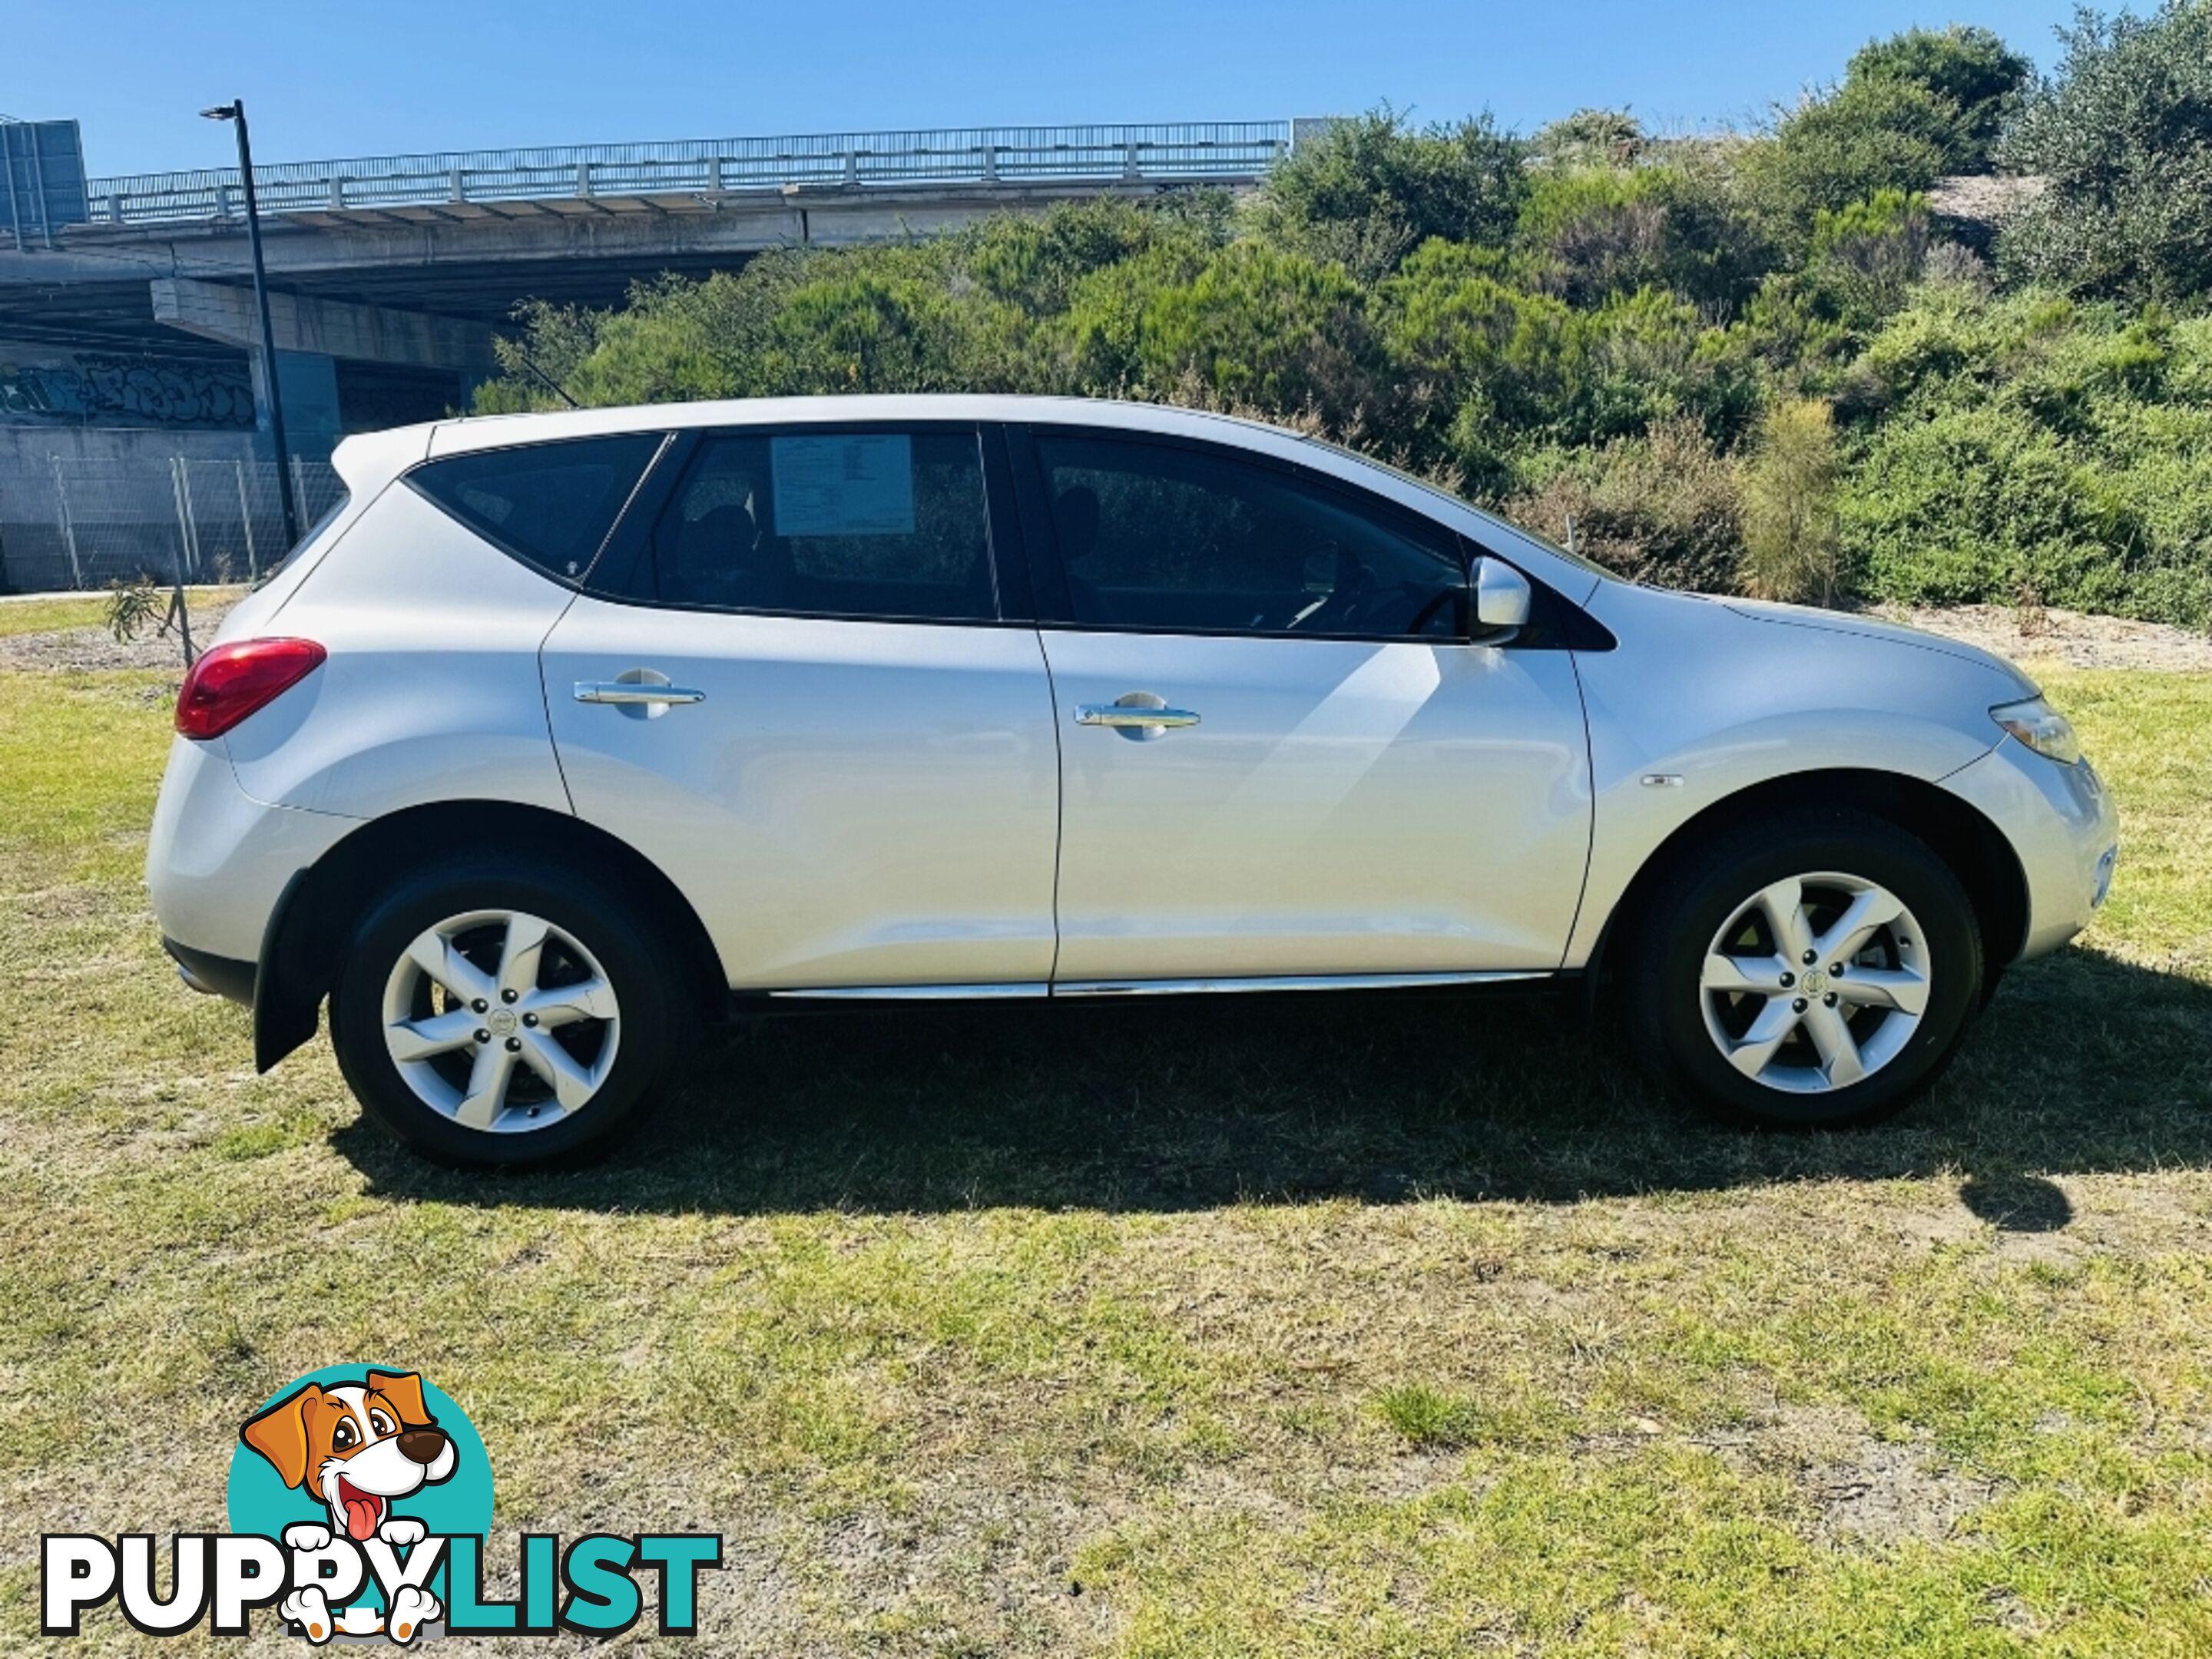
x: 503, y: 1014
x: 1812, y: 970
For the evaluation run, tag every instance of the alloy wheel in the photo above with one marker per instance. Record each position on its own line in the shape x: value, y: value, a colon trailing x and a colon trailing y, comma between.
x: 500, y: 1021
x: 1815, y: 982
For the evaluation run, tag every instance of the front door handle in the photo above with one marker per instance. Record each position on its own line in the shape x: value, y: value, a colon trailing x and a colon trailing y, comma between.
x: 1138, y: 716
x: 1107, y: 714
x: 633, y: 692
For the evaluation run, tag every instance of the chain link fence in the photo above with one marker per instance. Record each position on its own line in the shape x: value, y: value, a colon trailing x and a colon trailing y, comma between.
x: 76, y: 524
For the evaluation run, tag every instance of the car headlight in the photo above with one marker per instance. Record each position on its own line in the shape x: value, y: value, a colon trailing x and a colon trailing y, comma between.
x: 2042, y: 728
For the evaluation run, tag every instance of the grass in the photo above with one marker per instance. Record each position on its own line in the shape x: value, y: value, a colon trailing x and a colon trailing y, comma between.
x: 45, y: 616
x: 1321, y: 1328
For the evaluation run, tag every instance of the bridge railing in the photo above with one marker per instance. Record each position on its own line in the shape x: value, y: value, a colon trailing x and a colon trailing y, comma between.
x: 1197, y: 152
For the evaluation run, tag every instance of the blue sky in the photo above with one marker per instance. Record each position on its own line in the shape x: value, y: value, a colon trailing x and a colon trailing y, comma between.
x: 323, y: 80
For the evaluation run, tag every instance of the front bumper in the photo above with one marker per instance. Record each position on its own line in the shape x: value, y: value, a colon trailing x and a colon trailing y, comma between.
x: 2062, y: 826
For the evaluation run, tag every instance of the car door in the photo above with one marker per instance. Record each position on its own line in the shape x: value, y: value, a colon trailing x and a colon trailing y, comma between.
x: 1282, y: 755
x: 842, y: 756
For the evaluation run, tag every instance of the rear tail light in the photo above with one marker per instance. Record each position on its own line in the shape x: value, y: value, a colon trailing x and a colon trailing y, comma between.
x: 231, y: 681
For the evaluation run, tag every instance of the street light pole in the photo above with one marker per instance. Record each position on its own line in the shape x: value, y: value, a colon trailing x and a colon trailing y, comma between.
x: 234, y: 111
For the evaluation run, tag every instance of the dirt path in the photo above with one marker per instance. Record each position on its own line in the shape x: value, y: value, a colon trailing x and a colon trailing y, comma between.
x: 2071, y: 637
x: 89, y: 650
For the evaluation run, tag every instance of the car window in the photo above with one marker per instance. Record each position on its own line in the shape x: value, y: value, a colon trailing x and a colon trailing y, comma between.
x: 551, y: 504
x: 887, y: 524
x: 1581, y: 561
x: 1157, y: 536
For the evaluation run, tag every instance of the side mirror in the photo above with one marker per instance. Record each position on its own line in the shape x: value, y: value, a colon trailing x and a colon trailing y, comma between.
x: 1502, y: 595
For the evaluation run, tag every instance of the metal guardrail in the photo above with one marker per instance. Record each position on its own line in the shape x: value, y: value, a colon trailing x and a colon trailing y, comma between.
x: 1222, y: 151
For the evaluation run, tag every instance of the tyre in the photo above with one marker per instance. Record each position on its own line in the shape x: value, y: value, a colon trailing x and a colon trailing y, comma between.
x: 1816, y: 969
x: 507, y: 1013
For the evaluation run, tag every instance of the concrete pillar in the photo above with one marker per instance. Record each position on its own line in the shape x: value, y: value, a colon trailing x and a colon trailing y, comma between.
x: 309, y: 383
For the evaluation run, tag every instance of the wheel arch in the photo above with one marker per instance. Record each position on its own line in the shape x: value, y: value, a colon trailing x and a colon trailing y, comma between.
x: 1976, y: 851
x: 307, y: 930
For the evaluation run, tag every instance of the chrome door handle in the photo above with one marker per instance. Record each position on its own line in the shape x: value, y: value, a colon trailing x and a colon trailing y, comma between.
x: 634, y: 692
x: 1139, y: 716
x: 1123, y: 715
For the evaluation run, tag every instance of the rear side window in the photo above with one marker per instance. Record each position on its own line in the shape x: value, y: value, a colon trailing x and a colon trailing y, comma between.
x: 880, y: 524
x: 550, y: 505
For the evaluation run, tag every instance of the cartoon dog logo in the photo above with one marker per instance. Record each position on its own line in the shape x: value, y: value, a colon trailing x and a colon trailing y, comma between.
x: 356, y: 1448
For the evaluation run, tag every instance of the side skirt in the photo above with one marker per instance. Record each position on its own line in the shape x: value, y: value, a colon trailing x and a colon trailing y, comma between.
x: 1088, y: 989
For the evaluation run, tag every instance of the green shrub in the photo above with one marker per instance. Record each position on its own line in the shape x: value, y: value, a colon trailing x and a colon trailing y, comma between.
x: 1484, y: 352
x: 1790, y: 539
x: 2121, y: 138
x: 1865, y: 136
x: 2036, y: 448
x: 1592, y: 233
x: 1664, y: 509
x: 1273, y: 330
x: 1372, y: 189
x: 1591, y: 138
x: 1970, y: 69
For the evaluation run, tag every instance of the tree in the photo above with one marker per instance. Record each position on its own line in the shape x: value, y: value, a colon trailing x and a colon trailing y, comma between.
x: 2122, y: 138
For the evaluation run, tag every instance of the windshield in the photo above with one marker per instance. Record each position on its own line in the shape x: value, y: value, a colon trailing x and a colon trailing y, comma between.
x: 1426, y: 485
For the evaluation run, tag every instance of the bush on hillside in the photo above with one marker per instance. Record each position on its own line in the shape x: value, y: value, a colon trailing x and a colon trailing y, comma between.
x: 1372, y: 189
x: 1865, y: 136
x: 1970, y: 69
x: 1790, y: 540
x: 1591, y: 138
x: 1590, y: 234
x: 1665, y: 508
x: 2121, y: 138
x: 2033, y: 447
x: 1263, y: 327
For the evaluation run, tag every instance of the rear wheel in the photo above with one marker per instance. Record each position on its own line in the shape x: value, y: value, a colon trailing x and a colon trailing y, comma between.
x: 1812, y: 970
x: 504, y: 1014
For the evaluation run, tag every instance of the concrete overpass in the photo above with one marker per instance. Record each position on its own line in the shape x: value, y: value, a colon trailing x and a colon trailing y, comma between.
x: 395, y: 271
x: 133, y: 401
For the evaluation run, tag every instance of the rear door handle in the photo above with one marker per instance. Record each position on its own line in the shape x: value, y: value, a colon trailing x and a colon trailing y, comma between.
x: 633, y: 692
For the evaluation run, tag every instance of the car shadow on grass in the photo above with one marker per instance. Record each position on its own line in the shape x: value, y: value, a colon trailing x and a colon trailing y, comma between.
x: 2083, y: 1064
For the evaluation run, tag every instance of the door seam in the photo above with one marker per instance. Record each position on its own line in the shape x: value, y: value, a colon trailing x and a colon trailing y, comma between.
x: 1059, y: 801
x: 545, y: 704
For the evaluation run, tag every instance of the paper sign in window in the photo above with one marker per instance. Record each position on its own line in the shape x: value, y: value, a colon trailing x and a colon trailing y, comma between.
x: 847, y: 484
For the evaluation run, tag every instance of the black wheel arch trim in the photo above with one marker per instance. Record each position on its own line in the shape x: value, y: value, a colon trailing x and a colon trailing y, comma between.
x: 314, y: 917
x: 1974, y: 848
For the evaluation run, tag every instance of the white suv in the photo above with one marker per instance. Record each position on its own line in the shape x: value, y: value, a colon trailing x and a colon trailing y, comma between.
x: 562, y: 724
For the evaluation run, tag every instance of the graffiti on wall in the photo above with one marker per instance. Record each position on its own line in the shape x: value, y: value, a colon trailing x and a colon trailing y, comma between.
x: 93, y: 388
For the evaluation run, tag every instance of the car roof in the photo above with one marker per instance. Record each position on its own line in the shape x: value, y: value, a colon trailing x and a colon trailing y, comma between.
x: 482, y: 432
x: 497, y: 431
